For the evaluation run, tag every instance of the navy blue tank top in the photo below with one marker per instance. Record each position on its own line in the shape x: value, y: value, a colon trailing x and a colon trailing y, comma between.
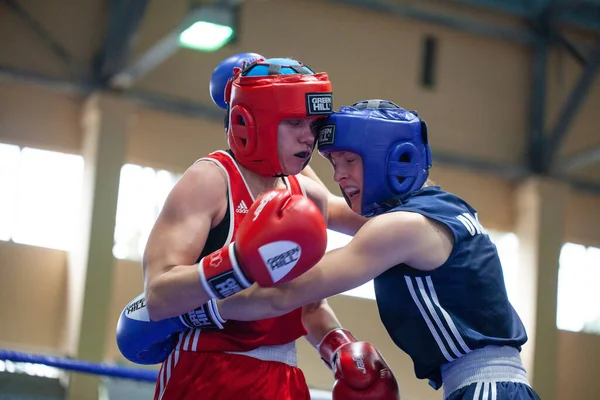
x: 438, y: 316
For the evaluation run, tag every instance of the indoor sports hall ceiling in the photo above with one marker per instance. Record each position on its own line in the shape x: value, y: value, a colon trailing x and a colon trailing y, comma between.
x: 130, y: 47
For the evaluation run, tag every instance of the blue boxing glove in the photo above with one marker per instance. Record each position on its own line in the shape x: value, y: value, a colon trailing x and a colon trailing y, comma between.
x: 224, y: 71
x: 147, y: 342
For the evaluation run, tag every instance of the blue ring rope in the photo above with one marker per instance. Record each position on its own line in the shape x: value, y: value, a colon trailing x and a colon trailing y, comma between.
x: 87, y: 367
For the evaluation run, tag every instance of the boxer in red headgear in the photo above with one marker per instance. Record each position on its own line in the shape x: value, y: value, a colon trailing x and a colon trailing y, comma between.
x: 236, y: 217
x: 260, y: 102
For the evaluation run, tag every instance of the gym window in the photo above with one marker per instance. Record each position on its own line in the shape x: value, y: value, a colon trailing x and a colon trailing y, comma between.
x: 578, y: 298
x: 142, y: 193
x: 41, y: 196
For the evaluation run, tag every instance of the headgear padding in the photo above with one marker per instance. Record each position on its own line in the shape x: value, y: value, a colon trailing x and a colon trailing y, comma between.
x: 224, y: 72
x: 392, y: 143
x: 263, y: 94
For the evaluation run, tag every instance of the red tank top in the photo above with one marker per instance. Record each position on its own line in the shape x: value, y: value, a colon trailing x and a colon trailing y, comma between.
x: 240, y: 335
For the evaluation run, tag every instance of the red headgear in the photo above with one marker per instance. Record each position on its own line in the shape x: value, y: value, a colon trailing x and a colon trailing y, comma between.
x: 258, y: 103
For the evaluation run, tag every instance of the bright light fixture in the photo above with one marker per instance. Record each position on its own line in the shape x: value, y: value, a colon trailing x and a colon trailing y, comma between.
x: 206, y: 36
x: 208, y: 28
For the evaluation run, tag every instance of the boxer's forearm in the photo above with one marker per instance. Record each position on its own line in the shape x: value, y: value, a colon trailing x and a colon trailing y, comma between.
x: 256, y: 303
x: 341, y: 218
x: 310, y: 173
x: 319, y: 319
x: 175, y: 292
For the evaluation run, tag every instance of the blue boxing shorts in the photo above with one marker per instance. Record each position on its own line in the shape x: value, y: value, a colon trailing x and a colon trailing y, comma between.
x: 495, y: 391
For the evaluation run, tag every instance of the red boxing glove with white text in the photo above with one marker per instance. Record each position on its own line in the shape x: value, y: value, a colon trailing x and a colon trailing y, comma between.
x: 282, y: 236
x: 360, y: 371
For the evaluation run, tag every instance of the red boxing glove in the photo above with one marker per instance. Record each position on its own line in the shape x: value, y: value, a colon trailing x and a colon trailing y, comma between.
x: 359, y: 369
x: 282, y: 236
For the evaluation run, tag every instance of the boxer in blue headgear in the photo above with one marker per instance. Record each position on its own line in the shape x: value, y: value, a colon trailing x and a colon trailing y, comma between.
x: 392, y: 144
x: 438, y: 278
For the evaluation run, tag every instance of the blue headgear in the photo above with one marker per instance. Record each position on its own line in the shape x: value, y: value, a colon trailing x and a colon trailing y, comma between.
x: 392, y: 143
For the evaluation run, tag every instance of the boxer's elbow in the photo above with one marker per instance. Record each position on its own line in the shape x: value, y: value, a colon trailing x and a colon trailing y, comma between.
x: 159, y: 302
x: 154, y: 293
x: 173, y: 291
x: 155, y: 305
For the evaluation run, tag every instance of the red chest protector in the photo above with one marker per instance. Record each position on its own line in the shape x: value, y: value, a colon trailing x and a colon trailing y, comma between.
x: 240, y: 335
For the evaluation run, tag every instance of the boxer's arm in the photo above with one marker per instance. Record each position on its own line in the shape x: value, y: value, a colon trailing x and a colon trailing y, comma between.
x: 340, y: 217
x: 172, y: 282
x: 319, y: 319
x: 359, y: 369
x: 311, y: 174
x: 316, y: 192
x: 383, y: 242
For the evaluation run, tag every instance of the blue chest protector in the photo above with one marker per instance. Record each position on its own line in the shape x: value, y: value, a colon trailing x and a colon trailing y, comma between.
x: 438, y: 316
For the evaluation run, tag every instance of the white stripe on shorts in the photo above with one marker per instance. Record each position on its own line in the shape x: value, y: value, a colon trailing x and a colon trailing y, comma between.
x: 486, y: 391
x: 477, y: 390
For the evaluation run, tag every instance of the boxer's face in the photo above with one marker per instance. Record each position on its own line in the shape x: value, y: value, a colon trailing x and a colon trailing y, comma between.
x: 295, y: 141
x: 348, y: 173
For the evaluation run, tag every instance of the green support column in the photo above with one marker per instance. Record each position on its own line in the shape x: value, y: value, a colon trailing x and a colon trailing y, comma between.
x: 105, y: 123
x: 540, y: 228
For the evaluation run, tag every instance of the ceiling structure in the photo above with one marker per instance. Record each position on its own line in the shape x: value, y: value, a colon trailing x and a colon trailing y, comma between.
x: 115, y: 67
